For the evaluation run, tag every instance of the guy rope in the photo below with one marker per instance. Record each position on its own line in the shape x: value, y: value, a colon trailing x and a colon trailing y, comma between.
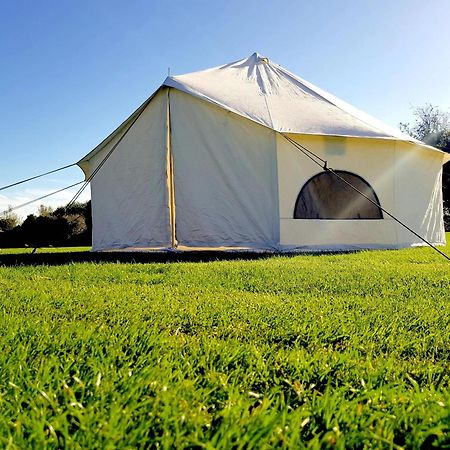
x: 305, y: 151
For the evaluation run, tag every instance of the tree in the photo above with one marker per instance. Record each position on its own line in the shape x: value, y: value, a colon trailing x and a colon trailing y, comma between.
x: 64, y: 226
x: 44, y: 230
x: 45, y: 211
x: 432, y: 126
x: 9, y: 220
x: 79, y: 218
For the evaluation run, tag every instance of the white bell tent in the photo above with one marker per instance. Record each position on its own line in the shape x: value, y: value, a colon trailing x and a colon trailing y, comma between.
x: 227, y: 158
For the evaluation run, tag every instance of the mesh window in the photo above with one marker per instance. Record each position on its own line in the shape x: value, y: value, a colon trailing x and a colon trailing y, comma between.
x: 325, y: 196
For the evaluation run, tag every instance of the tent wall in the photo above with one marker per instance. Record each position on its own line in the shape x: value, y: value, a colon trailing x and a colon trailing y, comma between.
x: 364, y: 158
x: 225, y: 177
x: 236, y: 184
x: 418, y: 193
x: 405, y: 178
x: 129, y: 193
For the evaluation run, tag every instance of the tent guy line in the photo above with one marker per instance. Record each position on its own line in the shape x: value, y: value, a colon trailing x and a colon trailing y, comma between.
x: 85, y: 182
x: 14, y: 208
x: 92, y: 175
x: 260, y: 214
x: 305, y: 151
x: 325, y: 167
x: 36, y: 176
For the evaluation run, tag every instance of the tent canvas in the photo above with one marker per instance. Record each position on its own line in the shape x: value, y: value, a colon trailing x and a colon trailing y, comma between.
x: 205, y: 162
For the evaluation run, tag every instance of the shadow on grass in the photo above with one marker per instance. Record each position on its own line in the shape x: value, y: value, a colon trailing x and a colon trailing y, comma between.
x: 61, y: 258
x: 56, y: 259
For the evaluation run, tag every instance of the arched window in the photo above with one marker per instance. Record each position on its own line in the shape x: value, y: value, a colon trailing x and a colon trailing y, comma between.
x: 325, y: 196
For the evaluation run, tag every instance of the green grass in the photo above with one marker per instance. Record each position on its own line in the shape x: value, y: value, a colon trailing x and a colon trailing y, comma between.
x: 338, y: 351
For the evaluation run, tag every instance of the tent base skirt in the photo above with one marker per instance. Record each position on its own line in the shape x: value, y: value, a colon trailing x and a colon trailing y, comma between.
x: 282, y: 249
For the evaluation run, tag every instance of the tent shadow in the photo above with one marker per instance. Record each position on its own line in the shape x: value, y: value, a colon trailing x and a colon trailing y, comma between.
x: 58, y: 259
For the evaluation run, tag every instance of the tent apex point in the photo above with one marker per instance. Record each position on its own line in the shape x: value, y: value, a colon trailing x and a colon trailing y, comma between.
x: 258, y: 57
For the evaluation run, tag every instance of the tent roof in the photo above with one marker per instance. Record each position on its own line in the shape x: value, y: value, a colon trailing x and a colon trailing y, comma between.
x: 266, y: 93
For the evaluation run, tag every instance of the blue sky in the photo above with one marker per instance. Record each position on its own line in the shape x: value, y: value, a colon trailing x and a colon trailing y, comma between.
x: 71, y: 71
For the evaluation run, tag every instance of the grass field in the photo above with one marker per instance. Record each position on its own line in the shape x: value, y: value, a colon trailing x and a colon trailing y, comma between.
x: 338, y: 351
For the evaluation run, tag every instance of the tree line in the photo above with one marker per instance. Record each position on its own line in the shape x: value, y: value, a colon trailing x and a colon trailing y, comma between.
x: 61, y: 227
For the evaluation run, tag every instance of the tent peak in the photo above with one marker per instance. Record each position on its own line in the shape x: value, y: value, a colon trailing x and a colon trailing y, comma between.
x: 258, y: 58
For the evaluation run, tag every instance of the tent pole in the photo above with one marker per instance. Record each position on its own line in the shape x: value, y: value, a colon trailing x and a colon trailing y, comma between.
x: 170, y: 176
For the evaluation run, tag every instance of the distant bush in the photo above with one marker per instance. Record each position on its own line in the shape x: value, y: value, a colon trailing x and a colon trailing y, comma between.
x: 62, y: 227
